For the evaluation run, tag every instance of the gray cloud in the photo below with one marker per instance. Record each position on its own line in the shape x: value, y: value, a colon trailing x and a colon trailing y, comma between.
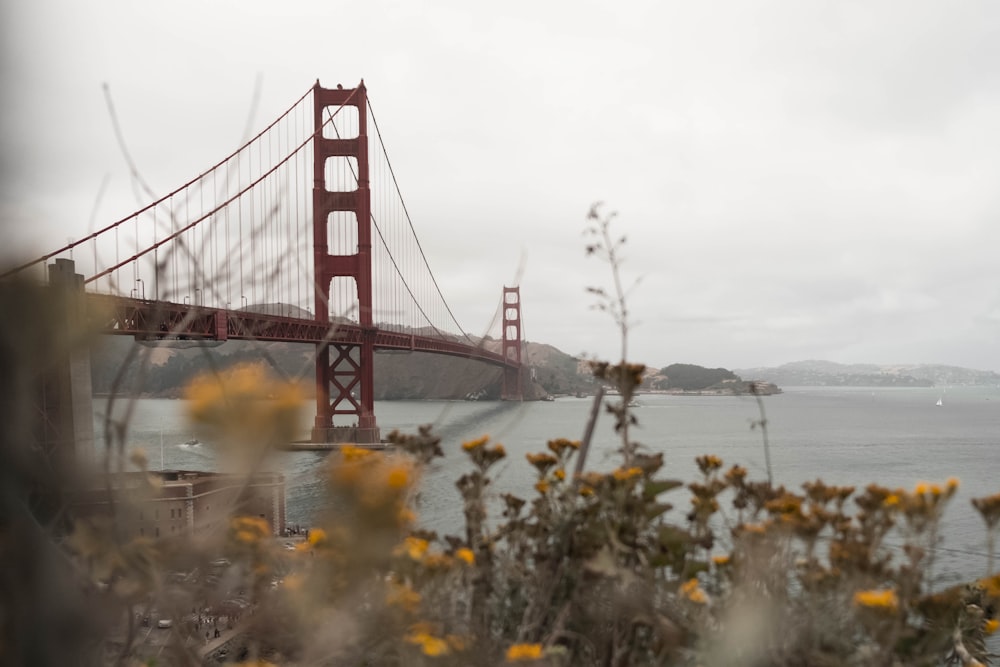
x: 795, y: 179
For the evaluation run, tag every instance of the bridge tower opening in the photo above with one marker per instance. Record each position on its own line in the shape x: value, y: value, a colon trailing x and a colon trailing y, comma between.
x: 512, y: 377
x: 345, y: 387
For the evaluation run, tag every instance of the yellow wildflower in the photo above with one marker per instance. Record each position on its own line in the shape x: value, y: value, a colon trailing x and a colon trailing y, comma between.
x: 232, y: 400
x: 990, y: 626
x: 524, y: 652
x: 250, y: 529
x: 788, y: 503
x: 203, y: 395
x: 991, y: 585
x: 892, y: 500
x: 398, y: 477
x: 721, y: 559
x: 428, y: 643
x: 560, y: 474
x: 708, y: 463
x: 586, y: 491
x: 402, y: 596
x: 560, y: 445
x: 736, y: 475
x: 355, y: 453
x: 414, y: 547
x: 542, y: 486
x: 465, y: 554
x: 692, y: 591
x: 405, y: 516
x: 884, y: 600
x: 317, y: 536
x: 621, y: 474
x: 542, y: 461
x: 921, y: 488
x: 475, y: 444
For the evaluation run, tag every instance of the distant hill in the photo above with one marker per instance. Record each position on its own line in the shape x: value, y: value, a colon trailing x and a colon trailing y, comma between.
x: 690, y: 378
x: 821, y: 373
x: 406, y: 375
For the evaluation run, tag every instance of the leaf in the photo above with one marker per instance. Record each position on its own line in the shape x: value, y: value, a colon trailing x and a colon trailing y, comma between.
x: 656, y: 509
x: 693, y: 567
x: 655, y: 487
x: 674, y: 539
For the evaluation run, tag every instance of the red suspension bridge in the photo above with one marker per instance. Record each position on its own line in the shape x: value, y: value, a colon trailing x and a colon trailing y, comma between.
x: 300, y: 235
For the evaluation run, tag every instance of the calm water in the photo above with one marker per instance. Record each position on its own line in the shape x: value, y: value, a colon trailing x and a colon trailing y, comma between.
x: 896, y: 437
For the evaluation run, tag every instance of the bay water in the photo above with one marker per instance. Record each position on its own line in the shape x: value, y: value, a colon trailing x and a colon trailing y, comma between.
x: 895, y: 437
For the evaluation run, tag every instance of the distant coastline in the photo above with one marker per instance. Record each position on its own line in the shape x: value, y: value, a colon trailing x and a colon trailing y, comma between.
x: 817, y: 373
x: 741, y: 388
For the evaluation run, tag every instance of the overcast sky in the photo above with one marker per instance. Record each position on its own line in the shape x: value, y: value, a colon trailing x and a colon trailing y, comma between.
x: 795, y: 179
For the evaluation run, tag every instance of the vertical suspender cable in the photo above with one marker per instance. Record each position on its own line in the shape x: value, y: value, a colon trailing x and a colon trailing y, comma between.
x: 227, y: 245
x: 111, y: 277
x: 264, y: 267
x: 239, y: 220
x: 156, y: 260
x: 192, y: 282
x: 254, y: 195
x: 299, y: 251
x: 270, y: 221
x: 410, y: 222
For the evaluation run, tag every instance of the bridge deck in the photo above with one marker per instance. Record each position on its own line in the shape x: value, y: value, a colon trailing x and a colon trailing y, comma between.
x: 162, y: 320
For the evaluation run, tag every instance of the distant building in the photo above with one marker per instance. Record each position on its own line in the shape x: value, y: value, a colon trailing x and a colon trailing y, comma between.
x: 186, y: 502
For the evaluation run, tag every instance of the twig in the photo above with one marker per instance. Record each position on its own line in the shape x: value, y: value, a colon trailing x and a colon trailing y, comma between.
x: 588, y: 433
x: 762, y: 422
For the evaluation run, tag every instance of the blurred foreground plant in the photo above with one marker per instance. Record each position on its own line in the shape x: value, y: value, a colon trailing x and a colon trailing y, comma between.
x: 595, y: 568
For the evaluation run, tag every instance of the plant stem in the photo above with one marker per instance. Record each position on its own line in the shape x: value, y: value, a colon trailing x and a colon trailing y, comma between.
x: 588, y: 433
x: 763, y: 430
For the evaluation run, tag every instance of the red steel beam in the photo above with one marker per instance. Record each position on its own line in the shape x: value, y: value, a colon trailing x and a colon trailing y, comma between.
x: 162, y: 320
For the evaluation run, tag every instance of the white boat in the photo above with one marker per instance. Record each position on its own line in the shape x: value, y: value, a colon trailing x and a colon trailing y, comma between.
x: 939, y: 403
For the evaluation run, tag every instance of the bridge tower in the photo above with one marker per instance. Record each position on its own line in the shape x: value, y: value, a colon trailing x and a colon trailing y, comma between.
x: 344, y: 387
x: 512, y: 380
x: 63, y: 430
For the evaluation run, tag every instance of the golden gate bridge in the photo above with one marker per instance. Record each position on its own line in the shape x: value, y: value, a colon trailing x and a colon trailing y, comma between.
x: 300, y: 235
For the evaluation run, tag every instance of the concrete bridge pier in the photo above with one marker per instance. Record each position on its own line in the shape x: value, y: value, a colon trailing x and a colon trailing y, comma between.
x: 346, y: 434
x: 66, y: 414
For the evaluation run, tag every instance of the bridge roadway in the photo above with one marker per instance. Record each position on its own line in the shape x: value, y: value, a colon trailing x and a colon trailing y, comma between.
x: 164, y: 320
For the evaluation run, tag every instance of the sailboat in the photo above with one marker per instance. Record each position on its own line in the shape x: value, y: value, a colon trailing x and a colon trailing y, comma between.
x: 940, y: 402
